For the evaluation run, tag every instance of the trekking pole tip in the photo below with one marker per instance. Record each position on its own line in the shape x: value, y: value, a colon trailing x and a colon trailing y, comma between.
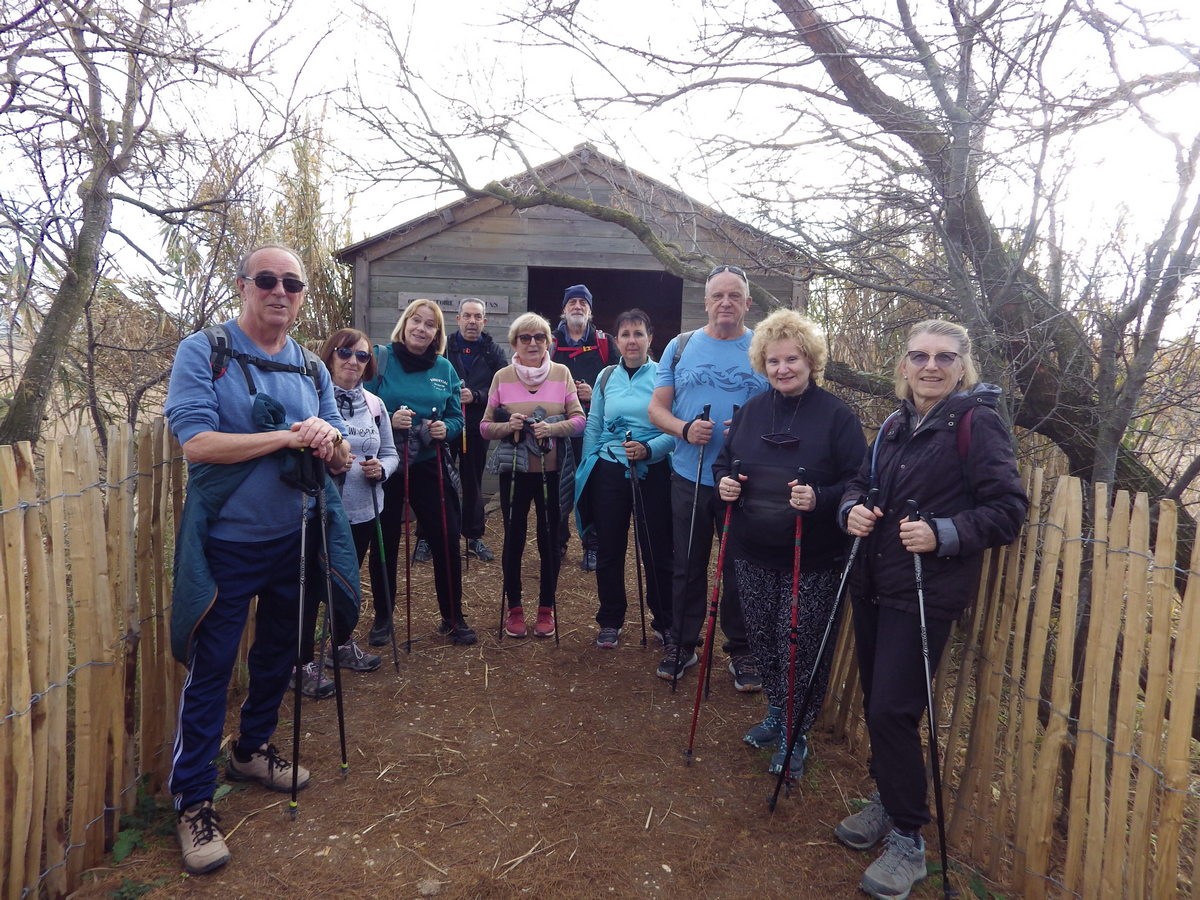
x: 345, y: 769
x: 292, y: 807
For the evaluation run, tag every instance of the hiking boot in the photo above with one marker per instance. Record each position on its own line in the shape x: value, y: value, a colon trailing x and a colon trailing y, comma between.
x: 667, y: 668
x: 898, y: 868
x: 865, y: 828
x: 315, y: 683
x: 607, y: 638
x: 766, y: 733
x: 444, y: 628
x: 478, y: 549
x: 380, y: 634
x: 514, y: 625
x: 266, y: 767
x: 588, y: 563
x: 544, y: 626
x: 422, y: 553
x: 745, y: 674
x: 795, y: 764
x: 350, y: 656
x: 462, y: 633
x: 201, y: 839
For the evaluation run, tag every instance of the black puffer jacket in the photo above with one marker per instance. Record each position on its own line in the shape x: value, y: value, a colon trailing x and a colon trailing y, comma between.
x: 975, y: 502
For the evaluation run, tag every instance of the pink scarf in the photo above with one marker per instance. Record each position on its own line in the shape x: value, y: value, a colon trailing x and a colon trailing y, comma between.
x: 532, y: 377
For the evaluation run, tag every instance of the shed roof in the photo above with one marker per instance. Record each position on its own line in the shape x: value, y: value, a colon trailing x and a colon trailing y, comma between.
x: 675, y: 216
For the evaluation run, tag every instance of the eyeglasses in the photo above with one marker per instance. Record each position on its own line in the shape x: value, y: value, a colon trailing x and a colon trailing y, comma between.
x: 362, y: 356
x: 533, y: 338
x: 736, y: 270
x: 943, y: 360
x: 265, y: 281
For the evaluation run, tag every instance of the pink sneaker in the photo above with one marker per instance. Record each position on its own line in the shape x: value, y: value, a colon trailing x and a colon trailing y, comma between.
x: 545, y: 622
x: 514, y: 625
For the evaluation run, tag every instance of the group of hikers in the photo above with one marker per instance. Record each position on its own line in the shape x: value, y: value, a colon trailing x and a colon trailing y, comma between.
x: 728, y: 435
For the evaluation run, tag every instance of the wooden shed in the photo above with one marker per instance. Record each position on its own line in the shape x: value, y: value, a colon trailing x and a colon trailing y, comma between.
x: 523, y: 259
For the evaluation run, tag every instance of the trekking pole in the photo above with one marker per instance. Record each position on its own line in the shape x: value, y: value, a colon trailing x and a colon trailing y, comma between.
x: 304, y: 481
x: 838, y: 599
x: 914, y: 515
x: 711, y: 626
x: 637, y: 552
x: 407, y: 554
x: 708, y: 669
x: 455, y: 599
x: 794, y: 633
x: 323, y: 506
x: 691, y: 538
x: 383, y: 569
x: 539, y: 413
x: 512, y: 481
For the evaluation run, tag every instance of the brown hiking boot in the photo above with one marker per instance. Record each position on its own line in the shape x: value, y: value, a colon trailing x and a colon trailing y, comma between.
x: 201, y: 839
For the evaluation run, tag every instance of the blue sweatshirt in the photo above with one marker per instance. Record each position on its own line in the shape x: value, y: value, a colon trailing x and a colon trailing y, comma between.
x: 263, y: 507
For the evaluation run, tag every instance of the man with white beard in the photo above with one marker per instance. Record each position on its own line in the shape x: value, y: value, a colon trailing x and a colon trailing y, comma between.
x: 584, y: 349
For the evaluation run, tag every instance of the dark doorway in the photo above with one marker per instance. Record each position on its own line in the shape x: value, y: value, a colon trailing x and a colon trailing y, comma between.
x: 613, y: 291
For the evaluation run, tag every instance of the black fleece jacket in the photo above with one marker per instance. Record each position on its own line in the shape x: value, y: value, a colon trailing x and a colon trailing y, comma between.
x: 829, y: 446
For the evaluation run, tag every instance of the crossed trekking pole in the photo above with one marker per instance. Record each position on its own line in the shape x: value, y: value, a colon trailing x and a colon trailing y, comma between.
x: 702, y: 683
x: 703, y: 417
x: 383, y: 568
x: 309, y: 481
x: 794, y: 632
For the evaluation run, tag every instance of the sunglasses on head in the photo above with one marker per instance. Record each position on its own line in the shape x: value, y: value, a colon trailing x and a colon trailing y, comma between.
x: 943, y: 360
x: 736, y: 270
x: 264, y: 281
x: 362, y: 356
x: 532, y: 338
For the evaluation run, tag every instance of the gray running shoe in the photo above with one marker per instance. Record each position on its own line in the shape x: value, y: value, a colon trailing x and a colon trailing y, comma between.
x: 746, y: 677
x: 865, y: 828
x: 350, y: 656
x: 898, y: 868
x: 314, y: 682
x: 607, y: 638
x: 422, y: 553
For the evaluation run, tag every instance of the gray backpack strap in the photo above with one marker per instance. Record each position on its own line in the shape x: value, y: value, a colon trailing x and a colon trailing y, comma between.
x: 602, y: 381
x: 680, y: 343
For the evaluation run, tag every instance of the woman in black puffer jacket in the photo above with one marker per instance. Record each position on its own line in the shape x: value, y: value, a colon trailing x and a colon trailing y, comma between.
x: 970, y: 497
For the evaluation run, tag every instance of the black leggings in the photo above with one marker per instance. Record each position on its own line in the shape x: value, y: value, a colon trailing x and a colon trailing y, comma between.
x: 516, y: 493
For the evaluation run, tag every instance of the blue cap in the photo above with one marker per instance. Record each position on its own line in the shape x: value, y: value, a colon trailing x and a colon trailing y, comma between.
x: 577, y: 290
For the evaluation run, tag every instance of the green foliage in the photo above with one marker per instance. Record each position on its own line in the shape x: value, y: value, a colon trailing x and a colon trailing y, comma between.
x: 130, y: 889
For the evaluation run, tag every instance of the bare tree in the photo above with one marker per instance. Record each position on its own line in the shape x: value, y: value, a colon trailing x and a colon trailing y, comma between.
x: 100, y: 113
x: 945, y: 139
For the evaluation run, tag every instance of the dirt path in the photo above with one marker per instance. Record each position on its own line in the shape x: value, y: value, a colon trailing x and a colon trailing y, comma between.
x: 518, y: 769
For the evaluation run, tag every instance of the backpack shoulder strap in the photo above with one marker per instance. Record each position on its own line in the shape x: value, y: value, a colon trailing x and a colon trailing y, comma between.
x: 602, y: 345
x: 219, y: 350
x: 605, y: 374
x: 680, y: 343
x: 382, y: 352
x: 374, y: 404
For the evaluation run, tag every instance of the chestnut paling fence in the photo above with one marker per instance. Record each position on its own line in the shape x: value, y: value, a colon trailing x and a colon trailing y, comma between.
x: 1069, y: 769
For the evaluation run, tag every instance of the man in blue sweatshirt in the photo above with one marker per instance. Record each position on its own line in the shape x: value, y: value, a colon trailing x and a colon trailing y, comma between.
x: 240, y: 534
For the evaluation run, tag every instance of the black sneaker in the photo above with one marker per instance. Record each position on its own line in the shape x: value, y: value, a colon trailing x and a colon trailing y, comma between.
x: 463, y: 634
x: 422, y: 553
x: 588, y: 563
x: 608, y: 638
x: 746, y: 677
x: 444, y: 628
x: 667, y: 668
x: 478, y: 549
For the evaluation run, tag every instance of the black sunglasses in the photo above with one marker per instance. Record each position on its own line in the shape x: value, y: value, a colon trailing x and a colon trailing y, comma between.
x: 363, y: 356
x: 736, y: 270
x: 943, y: 360
x: 531, y: 338
x: 264, y: 281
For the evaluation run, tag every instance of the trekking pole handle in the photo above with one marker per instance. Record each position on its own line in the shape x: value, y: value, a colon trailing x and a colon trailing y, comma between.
x: 801, y: 476
x: 737, y: 469
x: 705, y: 412
x: 914, y: 513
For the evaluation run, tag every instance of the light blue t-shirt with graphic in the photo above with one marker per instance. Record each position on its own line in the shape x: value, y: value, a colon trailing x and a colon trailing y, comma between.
x: 710, y: 371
